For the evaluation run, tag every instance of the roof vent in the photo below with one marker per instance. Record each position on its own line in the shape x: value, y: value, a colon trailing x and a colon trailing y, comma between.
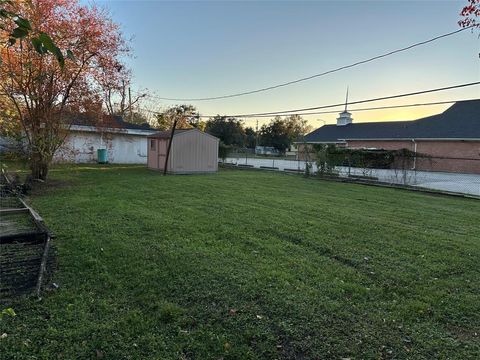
x: 345, y: 117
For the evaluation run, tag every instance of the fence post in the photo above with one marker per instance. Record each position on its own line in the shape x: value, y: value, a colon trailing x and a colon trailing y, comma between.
x: 349, y: 165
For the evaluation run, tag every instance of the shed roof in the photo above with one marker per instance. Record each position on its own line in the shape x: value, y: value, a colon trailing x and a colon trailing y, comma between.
x: 166, y: 134
x: 460, y: 121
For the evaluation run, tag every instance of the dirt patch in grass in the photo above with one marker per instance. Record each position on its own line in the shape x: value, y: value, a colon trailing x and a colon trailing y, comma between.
x: 463, y: 334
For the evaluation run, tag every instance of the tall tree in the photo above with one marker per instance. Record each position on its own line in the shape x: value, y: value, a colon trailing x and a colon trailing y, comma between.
x: 229, y: 130
x: 282, y: 132
x: 138, y: 117
x: 118, y: 98
x: 41, y: 91
x: 250, y: 138
x: 195, y: 122
x: 297, y: 127
x: 185, y: 115
x: 276, y: 134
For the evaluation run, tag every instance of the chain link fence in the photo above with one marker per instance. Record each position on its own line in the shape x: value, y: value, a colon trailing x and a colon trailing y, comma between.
x: 410, y: 171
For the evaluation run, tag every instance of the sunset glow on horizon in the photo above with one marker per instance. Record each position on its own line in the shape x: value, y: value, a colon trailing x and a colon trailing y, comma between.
x: 202, y: 49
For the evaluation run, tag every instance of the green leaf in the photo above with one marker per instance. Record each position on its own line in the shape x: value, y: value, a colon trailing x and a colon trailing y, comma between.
x: 12, y: 41
x: 23, y: 23
x: 49, y: 45
x: 19, y: 33
x: 9, y: 312
x: 60, y: 58
x: 58, y: 54
x: 47, y: 42
x: 70, y: 55
x: 38, y: 45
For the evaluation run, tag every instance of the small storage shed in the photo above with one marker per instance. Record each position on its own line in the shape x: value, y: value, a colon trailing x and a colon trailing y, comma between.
x: 192, y: 151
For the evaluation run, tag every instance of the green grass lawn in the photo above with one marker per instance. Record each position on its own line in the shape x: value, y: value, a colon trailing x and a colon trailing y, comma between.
x: 250, y: 265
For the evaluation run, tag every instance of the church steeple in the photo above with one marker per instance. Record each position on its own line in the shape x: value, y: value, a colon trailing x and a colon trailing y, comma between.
x: 344, y: 117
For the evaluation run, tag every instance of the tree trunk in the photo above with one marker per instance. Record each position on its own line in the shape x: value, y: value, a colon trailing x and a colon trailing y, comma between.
x: 39, y: 167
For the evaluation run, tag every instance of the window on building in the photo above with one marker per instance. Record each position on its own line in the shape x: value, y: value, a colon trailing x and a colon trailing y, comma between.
x: 152, y: 144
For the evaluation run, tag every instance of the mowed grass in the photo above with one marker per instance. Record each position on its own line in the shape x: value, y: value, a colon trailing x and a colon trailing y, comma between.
x: 250, y: 265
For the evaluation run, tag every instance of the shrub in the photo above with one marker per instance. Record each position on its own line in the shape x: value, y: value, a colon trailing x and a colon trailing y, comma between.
x: 325, y: 159
x: 224, y: 150
x: 330, y: 156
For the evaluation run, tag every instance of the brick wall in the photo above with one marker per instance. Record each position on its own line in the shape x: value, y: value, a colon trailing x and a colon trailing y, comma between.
x: 449, y: 156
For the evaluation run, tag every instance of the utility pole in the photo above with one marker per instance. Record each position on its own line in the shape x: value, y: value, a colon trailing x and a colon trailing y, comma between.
x: 170, y: 145
x: 130, y: 103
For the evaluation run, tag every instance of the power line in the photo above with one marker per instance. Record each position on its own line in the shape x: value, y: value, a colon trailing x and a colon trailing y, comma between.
x: 289, y: 112
x: 315, y: 75
x: 352, y: 110
x: 380, y: 107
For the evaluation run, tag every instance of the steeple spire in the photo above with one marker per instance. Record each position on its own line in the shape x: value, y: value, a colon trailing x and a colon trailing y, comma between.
x: 346, y: 100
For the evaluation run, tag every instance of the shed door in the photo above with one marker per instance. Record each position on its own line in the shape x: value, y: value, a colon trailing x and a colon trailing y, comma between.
x: 162, y: 153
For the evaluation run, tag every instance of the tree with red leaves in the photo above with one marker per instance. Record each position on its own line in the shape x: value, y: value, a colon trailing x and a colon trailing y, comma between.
x: 43, y: 93
x: 469, y: 13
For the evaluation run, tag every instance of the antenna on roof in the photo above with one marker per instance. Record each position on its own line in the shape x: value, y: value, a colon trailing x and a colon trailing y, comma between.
x: 346, y: 100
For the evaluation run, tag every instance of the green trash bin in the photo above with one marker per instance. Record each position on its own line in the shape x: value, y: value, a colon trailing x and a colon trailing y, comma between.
x: 102, y: 157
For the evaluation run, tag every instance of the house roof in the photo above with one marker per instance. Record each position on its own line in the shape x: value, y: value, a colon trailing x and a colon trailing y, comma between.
x: 460, y: 121
x: 108, y: 121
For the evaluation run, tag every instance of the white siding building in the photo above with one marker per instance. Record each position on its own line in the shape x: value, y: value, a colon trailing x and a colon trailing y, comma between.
x: 125, y: 143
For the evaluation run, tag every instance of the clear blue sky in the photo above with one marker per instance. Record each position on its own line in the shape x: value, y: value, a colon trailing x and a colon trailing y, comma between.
x: 198, y: 49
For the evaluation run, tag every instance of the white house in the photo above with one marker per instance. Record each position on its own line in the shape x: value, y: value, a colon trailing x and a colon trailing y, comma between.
x: 125, y: 143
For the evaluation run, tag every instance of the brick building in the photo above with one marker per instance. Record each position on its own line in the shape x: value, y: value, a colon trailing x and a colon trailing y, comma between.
x: 450, y: 140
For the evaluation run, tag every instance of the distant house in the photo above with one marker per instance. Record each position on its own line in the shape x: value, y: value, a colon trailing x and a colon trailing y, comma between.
x: 192, y: 151
x: 451, y: 139
x: 126, y: 143
x: 266, y: 150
